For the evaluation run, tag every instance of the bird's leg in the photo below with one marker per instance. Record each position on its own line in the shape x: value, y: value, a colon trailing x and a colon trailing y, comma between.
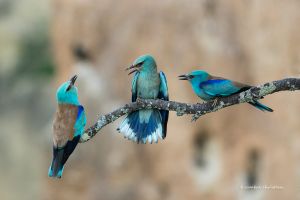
x: 215, y: 102
x: 138, y: 99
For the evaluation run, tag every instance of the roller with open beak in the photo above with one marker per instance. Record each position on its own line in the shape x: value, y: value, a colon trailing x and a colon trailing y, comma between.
x: 146, y: 125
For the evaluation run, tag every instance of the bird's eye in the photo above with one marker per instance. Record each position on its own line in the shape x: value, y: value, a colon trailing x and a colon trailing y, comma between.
x: 192, y: 76
x: 141, y: 63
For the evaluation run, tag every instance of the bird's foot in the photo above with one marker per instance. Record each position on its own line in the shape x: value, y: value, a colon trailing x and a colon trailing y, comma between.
x: 138, y: 99
x: 215, y: 102
x: 255, y: 96
x: 85, y: 137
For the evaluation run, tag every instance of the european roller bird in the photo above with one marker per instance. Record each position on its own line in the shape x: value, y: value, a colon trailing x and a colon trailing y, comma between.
x: 209, y: 87
x: 147, y: 125
x: 68, y: 126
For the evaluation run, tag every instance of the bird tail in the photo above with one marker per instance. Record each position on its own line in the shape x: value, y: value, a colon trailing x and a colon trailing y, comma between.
x: 60, y: 157
x: 143, y: 126
x: 261, y: 106
x: 57, y: 167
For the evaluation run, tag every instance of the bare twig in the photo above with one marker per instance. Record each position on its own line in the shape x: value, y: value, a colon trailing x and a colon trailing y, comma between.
x: 196, y: 109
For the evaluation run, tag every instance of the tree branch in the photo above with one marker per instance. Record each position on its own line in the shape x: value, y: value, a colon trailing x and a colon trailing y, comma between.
x: 198, y: 109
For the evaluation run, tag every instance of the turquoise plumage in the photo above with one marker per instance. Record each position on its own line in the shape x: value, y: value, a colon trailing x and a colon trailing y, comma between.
x: 68, y: 126
x: 209, y: 87
x: 149, y: 124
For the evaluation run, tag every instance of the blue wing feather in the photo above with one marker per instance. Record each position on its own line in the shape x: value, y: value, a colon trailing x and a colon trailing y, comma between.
x: 223, y: 87
x: 80, y: 121
x: 163, y: 94
x: 134, y: 87
x: 80, y: 110
x: 219, y: 87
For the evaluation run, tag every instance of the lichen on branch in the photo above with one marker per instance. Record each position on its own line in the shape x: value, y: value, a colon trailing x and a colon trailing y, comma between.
x: 198, y: 109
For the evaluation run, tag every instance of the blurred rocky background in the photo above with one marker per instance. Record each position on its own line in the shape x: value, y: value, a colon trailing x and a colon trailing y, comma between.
x: 45, y: 42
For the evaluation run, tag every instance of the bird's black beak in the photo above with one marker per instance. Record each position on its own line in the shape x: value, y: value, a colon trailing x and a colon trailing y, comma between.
x: 134, y: 67
x: 72, y: 82
x: 184, y: 77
